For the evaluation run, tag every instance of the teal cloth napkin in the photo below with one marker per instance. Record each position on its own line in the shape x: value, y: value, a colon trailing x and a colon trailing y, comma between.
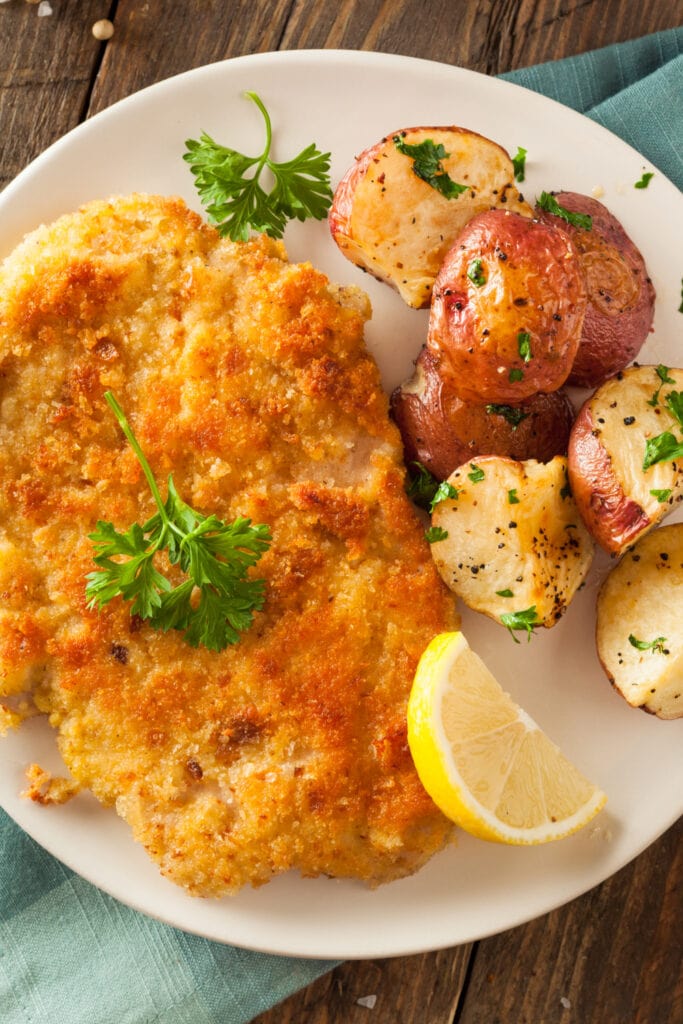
x: 70, y: 954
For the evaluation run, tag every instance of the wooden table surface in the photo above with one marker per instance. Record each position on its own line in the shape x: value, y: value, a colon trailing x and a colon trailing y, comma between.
x: 614, y: 955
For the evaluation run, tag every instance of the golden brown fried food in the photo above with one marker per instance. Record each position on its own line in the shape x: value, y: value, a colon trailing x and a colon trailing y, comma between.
x: 246, y: 377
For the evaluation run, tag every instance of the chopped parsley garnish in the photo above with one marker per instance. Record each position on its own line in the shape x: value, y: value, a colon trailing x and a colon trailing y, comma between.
x: 216, y: 600
x: 421, y: 486
x: 524, y: 345
x: 512, y: 497
x: 443, y: 492
x: 475, y: 272
x: 662, y: 448
x: 662, y: 495
x: 427, y: 157
x: 526, y: 619
x: 519, y: 163
x: 236, y: 203
x: 550, y: 204
x: 656, y: 645
x: 663, y: 374
x: 505, y: 593
x: 511, y: 413
x: 674, y: 403
x: 515, y: 375
x: 435, y: 533
x: 477, y: 474
x: 645, y: 180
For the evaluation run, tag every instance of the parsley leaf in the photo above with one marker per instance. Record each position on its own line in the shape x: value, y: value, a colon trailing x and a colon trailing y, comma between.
x: 645, y: 180
x: 662, y: 495
x: 515, y: 374
x: 512, y: 497
x: 519, y: 163
x: 674, y: 403
x: 476, y: 274
x: 662, y: 448
x: 663, y: 374
x: 505, y: 593
x: 218, y: 598
x: 421, y: 486
x: 527, y: 620
x: 477, y: 474
x: 427, y: 157
x: 656, y: 645
x: 550, y: 204
x: 443, y: 491
x: 236, y: 203
x: 435, y: 533
x: 524, y: 345
x: 512, y: 413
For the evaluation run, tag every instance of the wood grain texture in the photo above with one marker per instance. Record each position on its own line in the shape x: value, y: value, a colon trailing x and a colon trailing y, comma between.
x: 429, y: 991
x: 42, y: 95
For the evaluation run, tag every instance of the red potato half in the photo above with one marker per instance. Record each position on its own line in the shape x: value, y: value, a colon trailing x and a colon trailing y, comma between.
x: 513, y: 543
x: 507, y: 309
x: 389, y: 221
x: 639, y: 626
x: 621, y: 296
x: 619, y: 501
x: 442, y: 432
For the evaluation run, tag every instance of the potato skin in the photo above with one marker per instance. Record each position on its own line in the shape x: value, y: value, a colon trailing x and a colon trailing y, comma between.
x: 621, y: 296
x: 442, y: 432
x: 391, y: 223
x: 533, y: 286
x: 641, y: 598
x: 615, y: 496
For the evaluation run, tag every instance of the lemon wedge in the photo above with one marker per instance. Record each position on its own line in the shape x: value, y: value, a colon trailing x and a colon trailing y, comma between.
x: 483, y: 760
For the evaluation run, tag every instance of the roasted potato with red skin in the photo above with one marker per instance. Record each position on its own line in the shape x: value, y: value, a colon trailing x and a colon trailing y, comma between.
x: 618, y: 500
x: 507, y: 308
x: 621, y: 296
x: 394, y: 224
x: 441, y: 431
x: 639, y: 625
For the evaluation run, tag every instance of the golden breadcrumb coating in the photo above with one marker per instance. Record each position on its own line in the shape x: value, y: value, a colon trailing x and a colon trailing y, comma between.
x: 247, y: 377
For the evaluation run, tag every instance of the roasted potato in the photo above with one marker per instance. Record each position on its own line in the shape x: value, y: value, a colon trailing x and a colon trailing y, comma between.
x: 618, y: 498
x: 639, y: 630
x: 515, y: 547
x: 389, y: 219
x: 621, y: 296
x: 507, y: 309
x: 441, y: 431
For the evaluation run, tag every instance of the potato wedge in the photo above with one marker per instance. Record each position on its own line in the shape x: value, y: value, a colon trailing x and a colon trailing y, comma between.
x: 507, y: 308
x: 621, y: 296
x: 393, y: 223
x: 639, y: 629
x: 618, y: 500
x: 515, y: 543
x: 441, y: 431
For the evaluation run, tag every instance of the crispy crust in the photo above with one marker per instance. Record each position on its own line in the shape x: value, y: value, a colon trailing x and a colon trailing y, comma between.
x: 247, y: 378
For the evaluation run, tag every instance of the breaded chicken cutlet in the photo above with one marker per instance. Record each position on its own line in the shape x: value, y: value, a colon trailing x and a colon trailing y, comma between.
x: 247, y: 378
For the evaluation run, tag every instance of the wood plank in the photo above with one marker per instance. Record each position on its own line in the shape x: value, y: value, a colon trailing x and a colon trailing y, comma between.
x: 406, y: 990
x: 487, y: 35
x: 613, y: 955
x: 155, y: 40
x: 42, y: 95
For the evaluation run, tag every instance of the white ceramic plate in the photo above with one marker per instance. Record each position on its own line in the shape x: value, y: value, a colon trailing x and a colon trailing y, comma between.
x: 345, y: 101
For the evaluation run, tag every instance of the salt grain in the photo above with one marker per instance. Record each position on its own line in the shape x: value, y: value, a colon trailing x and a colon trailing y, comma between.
x: 44, y: 9
x: 103, y: 29
x: 566, y: 1002
x: 368, y: 1001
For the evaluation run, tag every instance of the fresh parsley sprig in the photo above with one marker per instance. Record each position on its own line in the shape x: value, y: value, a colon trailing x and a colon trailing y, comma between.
x: 216, y: 601
x: 229, y: 185
x: 527, y: 619
x: 666, y: 447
